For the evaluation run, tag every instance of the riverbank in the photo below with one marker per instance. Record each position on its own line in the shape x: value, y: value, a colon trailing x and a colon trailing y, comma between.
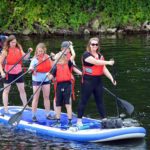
x: 93, y: 29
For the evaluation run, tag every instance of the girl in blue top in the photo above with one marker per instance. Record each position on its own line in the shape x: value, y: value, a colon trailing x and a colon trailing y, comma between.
x: 38, y: 77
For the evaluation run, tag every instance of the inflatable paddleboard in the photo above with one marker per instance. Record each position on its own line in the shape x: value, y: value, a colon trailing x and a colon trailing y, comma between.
x: 91, y: 131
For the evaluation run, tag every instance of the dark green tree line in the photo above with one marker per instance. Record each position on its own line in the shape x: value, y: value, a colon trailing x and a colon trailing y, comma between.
x: 22, y: 14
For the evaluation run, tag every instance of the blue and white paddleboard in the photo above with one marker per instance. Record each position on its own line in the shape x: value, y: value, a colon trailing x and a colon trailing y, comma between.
x: 91, y: 130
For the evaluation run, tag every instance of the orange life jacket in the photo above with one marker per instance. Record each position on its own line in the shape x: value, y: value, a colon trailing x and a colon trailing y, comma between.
x: 72, y: 81
x: 94, y: 70
x: 13, y: 56
x: 45, y: 66
x: 63, y: 73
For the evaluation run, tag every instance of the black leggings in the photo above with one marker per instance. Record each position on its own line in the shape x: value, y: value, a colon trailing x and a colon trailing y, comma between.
x: 91, y: 85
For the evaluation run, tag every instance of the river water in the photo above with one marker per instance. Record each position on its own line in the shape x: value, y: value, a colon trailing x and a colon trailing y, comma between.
x: 132, y: 69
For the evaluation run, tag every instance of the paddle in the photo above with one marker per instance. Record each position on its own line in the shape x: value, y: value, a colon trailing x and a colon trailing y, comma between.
x: 123, y: 103
x: 23, y: 75
x: 15, y: 119
x: 116, y: 101
x: 17, y: 62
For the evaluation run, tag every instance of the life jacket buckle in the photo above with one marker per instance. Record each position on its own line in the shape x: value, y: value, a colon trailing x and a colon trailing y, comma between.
x: 62, y: 89
x: 88, y: 70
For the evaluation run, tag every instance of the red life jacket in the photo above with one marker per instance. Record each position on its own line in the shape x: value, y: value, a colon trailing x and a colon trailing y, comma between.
x: 45, y: 66
x: 63, y: 73
x: 13, y: 56
x: 95, y: 70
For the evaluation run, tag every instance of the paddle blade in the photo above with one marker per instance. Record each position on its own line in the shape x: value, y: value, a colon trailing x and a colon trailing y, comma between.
x: 15, y: 119
x: 126, y: 105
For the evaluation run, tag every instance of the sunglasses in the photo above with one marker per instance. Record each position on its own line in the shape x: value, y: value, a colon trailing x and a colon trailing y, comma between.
x: 94, y: 44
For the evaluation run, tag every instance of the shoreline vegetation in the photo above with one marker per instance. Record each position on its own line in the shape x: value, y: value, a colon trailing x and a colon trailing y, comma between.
x: 75, y: 17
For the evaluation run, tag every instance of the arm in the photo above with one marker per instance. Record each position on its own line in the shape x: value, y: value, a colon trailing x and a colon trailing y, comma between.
x: 32, y: 65
x: 2, y: 57
x: 73, y: 55
x: 50, y: 76
x: 56, y: 56
x: 94, y: 61
x: 52, y: 56
x: 52, y: 73
x: 28, y: 55
x: 76, y: 70
x: 108, y: 75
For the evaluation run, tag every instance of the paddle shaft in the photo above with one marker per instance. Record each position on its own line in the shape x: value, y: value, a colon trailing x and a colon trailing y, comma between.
x: 17, y: 63
x: 124, y: 104
x: 116, y: 98
x: 22, y: 75
x: 109, y: 91
x: 31, y: 97
x: 17, y: 117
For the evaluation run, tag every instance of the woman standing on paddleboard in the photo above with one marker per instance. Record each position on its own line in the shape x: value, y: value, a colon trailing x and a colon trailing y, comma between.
x: 11, y: 68
x: 38, y: 77
x: 94, y: 66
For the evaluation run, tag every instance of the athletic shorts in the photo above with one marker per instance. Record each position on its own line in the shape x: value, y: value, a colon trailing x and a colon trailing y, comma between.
x: 37, y: 83
x: 11, y: 77
x: 63, y: 93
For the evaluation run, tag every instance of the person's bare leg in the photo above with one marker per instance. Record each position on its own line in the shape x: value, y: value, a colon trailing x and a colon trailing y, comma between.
x: 58, y: 112
x: 5, y: 97
x: 69, y: 111
x: 46, y: 94
x: 22, y: 93
x: 35, y: 99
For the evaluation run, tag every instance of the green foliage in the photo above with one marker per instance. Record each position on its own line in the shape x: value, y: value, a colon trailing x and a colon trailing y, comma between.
x: 4, y: 13
x: 76, y: 20
x: 20, y: 15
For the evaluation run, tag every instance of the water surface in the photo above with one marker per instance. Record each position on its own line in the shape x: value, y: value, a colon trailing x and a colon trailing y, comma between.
x: 132, y: 70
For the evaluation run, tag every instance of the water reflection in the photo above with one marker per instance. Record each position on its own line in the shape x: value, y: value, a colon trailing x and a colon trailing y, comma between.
x: 12, y: 139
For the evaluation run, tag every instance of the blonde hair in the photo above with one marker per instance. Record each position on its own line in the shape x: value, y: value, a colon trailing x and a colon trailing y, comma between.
x: 62, y: 58
x: 88, y: 48
x: 7, y: 44
x: 42, y: 46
